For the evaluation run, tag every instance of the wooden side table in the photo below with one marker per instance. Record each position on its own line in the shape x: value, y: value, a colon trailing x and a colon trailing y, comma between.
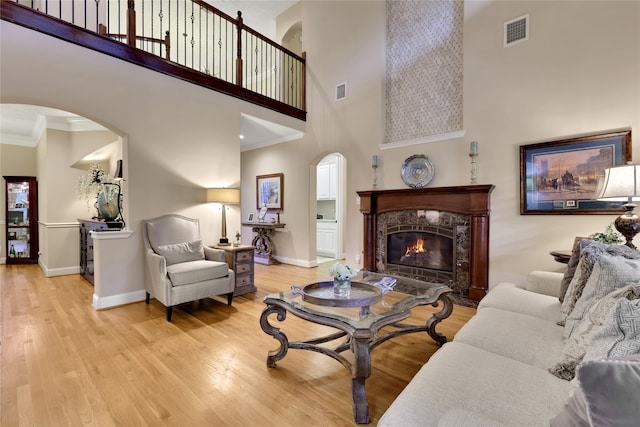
x: 561, y: 256
x: 240, y: 260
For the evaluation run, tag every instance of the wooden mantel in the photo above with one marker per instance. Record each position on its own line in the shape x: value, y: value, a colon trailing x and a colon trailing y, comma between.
x: 472, y: 200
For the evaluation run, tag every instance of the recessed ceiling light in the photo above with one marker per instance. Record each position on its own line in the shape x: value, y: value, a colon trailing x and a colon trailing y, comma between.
x: 241, y: 136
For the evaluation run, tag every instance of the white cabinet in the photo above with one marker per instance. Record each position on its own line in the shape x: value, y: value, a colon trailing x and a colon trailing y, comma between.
x: 333, y: 181
x: 327, y: 180
x: 327, y: 238
x: 323, y: 190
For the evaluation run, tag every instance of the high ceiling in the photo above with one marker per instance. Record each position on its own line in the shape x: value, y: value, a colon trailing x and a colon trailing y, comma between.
x: 24, y: 124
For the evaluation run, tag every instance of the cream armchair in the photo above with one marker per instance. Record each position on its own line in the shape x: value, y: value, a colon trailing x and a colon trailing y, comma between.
x: 179, y: 267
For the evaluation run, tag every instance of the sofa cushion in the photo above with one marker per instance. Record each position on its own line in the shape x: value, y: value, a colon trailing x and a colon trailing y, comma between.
x: 460, y: 417
x: 600, y: 314
x: 511, y: 297
x: 186, y: 273
x: 517, y: 336
x: 495, y: 387
x: 609, y: 273
x: 181, y: 252
x: 608, y: 395
x: 620, y: 335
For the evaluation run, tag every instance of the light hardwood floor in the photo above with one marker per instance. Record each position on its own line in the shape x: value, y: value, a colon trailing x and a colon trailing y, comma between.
x: 66, y: 364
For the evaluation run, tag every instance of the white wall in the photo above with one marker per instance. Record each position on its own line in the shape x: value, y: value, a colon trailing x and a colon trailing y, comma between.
x: 577, y: 74
x: 350, y: 49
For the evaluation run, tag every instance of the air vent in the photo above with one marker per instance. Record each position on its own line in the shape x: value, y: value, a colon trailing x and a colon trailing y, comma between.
x: 341, y: 91
x: 516, y: 30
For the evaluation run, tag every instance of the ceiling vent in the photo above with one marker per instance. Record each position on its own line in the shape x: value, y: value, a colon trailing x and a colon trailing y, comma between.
x: 341, y: 91
x: 516, y: 30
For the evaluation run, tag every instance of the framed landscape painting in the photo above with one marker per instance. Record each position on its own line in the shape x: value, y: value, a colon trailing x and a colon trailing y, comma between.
x: 561, y: 177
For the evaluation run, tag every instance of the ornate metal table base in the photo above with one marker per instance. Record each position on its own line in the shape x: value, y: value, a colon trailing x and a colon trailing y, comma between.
x: 263, y: 243
x: 357, y: 339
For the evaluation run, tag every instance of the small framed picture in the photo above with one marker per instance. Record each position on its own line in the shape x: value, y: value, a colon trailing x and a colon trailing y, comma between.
x: 250, y: 217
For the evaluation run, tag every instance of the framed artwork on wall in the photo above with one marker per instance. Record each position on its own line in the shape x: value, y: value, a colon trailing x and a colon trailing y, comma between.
x: 561, y: 177
x: 270, y: 191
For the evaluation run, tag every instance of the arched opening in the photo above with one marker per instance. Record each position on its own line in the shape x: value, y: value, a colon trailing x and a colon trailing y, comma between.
x: 58, y: 148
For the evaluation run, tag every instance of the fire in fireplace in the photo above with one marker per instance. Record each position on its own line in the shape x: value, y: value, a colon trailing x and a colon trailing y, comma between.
x: 421, y: 249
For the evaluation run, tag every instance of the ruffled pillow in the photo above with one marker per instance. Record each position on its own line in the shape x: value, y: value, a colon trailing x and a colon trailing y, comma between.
x: 600, y: 315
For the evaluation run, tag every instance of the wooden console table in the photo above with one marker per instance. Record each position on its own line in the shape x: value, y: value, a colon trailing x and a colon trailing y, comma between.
x: 262, y: 241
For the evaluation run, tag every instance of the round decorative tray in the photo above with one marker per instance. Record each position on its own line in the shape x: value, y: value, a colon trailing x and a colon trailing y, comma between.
x: 417, y: 171
x: 321, y: 293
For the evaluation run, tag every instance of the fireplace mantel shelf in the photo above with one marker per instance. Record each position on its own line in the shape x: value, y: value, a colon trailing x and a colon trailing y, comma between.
x: 471, y: 200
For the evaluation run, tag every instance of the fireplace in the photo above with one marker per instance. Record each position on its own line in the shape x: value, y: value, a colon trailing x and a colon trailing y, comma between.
x: 433, y: 234
x: 422, y: 252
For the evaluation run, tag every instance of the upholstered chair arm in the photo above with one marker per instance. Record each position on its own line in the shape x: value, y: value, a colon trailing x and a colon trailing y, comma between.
x: 544, y: 282
x: 213, y: 254
x: 157, y: 270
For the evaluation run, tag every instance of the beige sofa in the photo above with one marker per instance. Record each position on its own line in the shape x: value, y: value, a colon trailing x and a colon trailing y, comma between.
x: 497, y: 370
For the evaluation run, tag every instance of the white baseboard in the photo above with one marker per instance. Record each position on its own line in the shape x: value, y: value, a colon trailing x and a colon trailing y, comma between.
x: 50, y: 272
x: 298, y: 262
x: 100, y: 303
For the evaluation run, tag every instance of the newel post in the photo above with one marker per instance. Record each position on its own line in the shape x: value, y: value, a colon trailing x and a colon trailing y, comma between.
x: 239, y: 26
x: 131, y: 23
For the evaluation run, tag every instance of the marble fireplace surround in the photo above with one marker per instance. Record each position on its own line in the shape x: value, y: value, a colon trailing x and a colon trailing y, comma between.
x: 464, y: 208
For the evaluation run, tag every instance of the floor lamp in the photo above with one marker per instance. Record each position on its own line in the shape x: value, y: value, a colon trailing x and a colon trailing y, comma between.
x: 225, y: 196
x: 622, y: 183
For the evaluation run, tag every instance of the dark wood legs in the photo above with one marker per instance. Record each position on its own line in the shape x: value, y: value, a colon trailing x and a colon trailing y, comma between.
x: 170, y: 309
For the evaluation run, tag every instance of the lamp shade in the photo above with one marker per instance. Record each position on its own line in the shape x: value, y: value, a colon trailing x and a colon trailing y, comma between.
x: 223, y: 195
x: 620, y: 183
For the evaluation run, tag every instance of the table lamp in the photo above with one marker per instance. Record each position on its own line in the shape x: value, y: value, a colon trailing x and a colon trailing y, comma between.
x: 225, y: 196
x: 622, y: 183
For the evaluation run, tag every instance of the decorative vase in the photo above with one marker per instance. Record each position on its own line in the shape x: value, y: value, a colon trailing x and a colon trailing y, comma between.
x: 108, y: 203
x: 342, y: 288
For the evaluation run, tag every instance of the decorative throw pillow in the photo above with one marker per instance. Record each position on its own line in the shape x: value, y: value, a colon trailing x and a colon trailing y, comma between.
x: 608, y: 395
x: 609, y: 273
x: 588, y: 257
x: 598, y: 315
x: 182, y: 252
x: 574, y: 412
x: 620, y: 335
x: 572, y: 265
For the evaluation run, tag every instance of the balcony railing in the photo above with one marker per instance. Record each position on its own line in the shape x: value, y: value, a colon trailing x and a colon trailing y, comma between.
x: 189, y: 38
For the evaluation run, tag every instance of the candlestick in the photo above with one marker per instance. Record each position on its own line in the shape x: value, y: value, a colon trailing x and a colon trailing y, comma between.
x: 374, y: 161
x: 473, y: 157
x: 473, y: 149
x: 375, y: 176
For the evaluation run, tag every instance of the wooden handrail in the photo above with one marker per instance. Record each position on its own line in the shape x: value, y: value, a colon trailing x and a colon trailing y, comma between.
x: 268, y: 80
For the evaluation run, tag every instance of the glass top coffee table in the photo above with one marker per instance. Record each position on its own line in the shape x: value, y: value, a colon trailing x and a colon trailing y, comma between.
x: 359, y: 320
